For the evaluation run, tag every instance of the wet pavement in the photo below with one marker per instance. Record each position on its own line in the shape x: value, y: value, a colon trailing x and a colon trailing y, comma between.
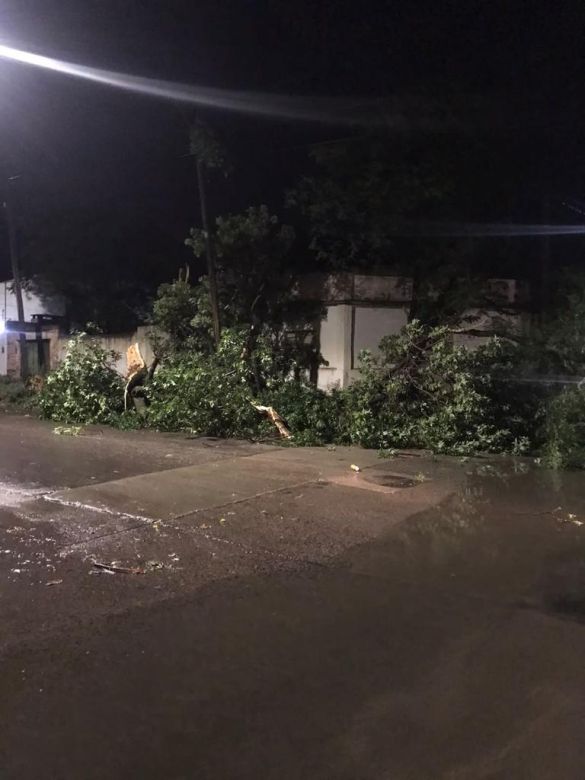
x: 423, y: 618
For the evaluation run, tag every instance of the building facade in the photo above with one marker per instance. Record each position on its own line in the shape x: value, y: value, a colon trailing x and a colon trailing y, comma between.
x: 45, y: 349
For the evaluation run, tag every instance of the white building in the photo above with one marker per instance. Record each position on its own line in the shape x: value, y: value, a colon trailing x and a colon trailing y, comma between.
x: 361, y: 309
x: 34, y: 307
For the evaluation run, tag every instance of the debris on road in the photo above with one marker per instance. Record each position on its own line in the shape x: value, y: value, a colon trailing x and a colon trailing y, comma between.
x: 115, y: 569
x: 53, y: 582
x: 353, y: 467
x: 571, y: 519
x: 274, y: 417
x: 67, y: 430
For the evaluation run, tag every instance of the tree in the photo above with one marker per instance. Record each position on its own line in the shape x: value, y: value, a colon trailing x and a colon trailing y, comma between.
x: 182, y: 317
x: 363, y: 192
x: 372, y: 203
x: 254, y: 268
x: 362, y: 201
x: 209, y: 155
x: 255, y: 257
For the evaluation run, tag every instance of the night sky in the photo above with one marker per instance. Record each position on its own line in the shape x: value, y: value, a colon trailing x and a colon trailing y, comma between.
x: 79, y: 146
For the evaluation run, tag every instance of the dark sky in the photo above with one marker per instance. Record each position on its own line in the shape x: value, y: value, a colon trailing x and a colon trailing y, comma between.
x: 83, y: 146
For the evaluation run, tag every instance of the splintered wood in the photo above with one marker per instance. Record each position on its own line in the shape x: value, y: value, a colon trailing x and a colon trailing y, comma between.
x: 136, y: 367
x: 134, y: 361
x: 274, y: 417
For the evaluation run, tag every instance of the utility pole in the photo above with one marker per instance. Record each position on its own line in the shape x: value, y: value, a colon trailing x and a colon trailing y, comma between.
x: 17, y: 282
x: 211, y: 269
x: 544, y: 266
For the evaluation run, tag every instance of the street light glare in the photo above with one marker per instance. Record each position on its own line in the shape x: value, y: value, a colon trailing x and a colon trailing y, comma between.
x: 335, y: 110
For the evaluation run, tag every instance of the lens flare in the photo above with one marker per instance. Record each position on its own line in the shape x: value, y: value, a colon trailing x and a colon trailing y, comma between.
x: 345, y: 111
x: 495, y: 230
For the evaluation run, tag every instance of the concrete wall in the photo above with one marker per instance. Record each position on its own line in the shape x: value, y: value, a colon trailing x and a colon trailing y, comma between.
x: 372, y: 324
x: 117, y: 343
x: 345, y: 331
x: 335, y: 346
x: 362, y: 309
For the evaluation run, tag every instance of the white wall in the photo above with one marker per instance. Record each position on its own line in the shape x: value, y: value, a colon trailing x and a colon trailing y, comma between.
x: 3, y: 354
x: 118, y: 343
x: 371, y: 325
x: 345, y: 331
x: 335, y: 345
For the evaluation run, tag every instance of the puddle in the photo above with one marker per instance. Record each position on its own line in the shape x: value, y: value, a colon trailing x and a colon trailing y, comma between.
x: 14, y: 495
x: 390, y: 480
x: 509, y: 532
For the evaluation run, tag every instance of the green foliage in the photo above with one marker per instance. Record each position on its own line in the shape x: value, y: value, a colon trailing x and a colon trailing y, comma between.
x: 212, y: 394
x: 16, y: 395
x: 361, y: 193
x: 253, y: 257
x: 422, y: 391
x: 208, y: 395
x: 565, y: 431
x: 558, y: 346
x: 419, y: 391
x: 85, y: 388
x: 254, y: 260
x: 205, y: 147
x: 311, y: 414
x: 182, y: 313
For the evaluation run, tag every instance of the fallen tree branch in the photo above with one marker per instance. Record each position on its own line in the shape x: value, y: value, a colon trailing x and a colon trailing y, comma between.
x: 274, y: 417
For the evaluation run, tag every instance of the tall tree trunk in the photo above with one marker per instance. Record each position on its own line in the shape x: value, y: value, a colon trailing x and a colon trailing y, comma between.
x: 211, y: 268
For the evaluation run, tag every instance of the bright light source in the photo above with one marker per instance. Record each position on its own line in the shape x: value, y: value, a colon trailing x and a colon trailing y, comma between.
x: 286, y: 106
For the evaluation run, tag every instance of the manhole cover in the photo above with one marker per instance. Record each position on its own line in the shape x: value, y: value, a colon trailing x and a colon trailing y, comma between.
x: 390, y: 480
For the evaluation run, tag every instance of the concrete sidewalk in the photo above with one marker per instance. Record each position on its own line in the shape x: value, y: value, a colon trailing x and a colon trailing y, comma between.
x: 175, y: 493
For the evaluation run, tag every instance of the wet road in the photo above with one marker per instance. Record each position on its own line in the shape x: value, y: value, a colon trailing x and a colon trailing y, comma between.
x: 340, y: 641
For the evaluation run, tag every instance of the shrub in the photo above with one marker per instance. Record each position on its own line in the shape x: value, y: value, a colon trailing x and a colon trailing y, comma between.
x: 311, y: 414
x: 206, y: 394
x: 85, y: 388
x: 564, y: 430
x: 15, y: 394
x: 422, y: 391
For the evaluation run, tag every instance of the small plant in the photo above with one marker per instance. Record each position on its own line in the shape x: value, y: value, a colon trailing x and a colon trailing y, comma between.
x: 85, y: 388
x: 565, y: 431
x: 16, y: 395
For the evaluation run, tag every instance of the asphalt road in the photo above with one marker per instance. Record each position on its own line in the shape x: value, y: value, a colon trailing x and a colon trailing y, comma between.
x: 308, y: 622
